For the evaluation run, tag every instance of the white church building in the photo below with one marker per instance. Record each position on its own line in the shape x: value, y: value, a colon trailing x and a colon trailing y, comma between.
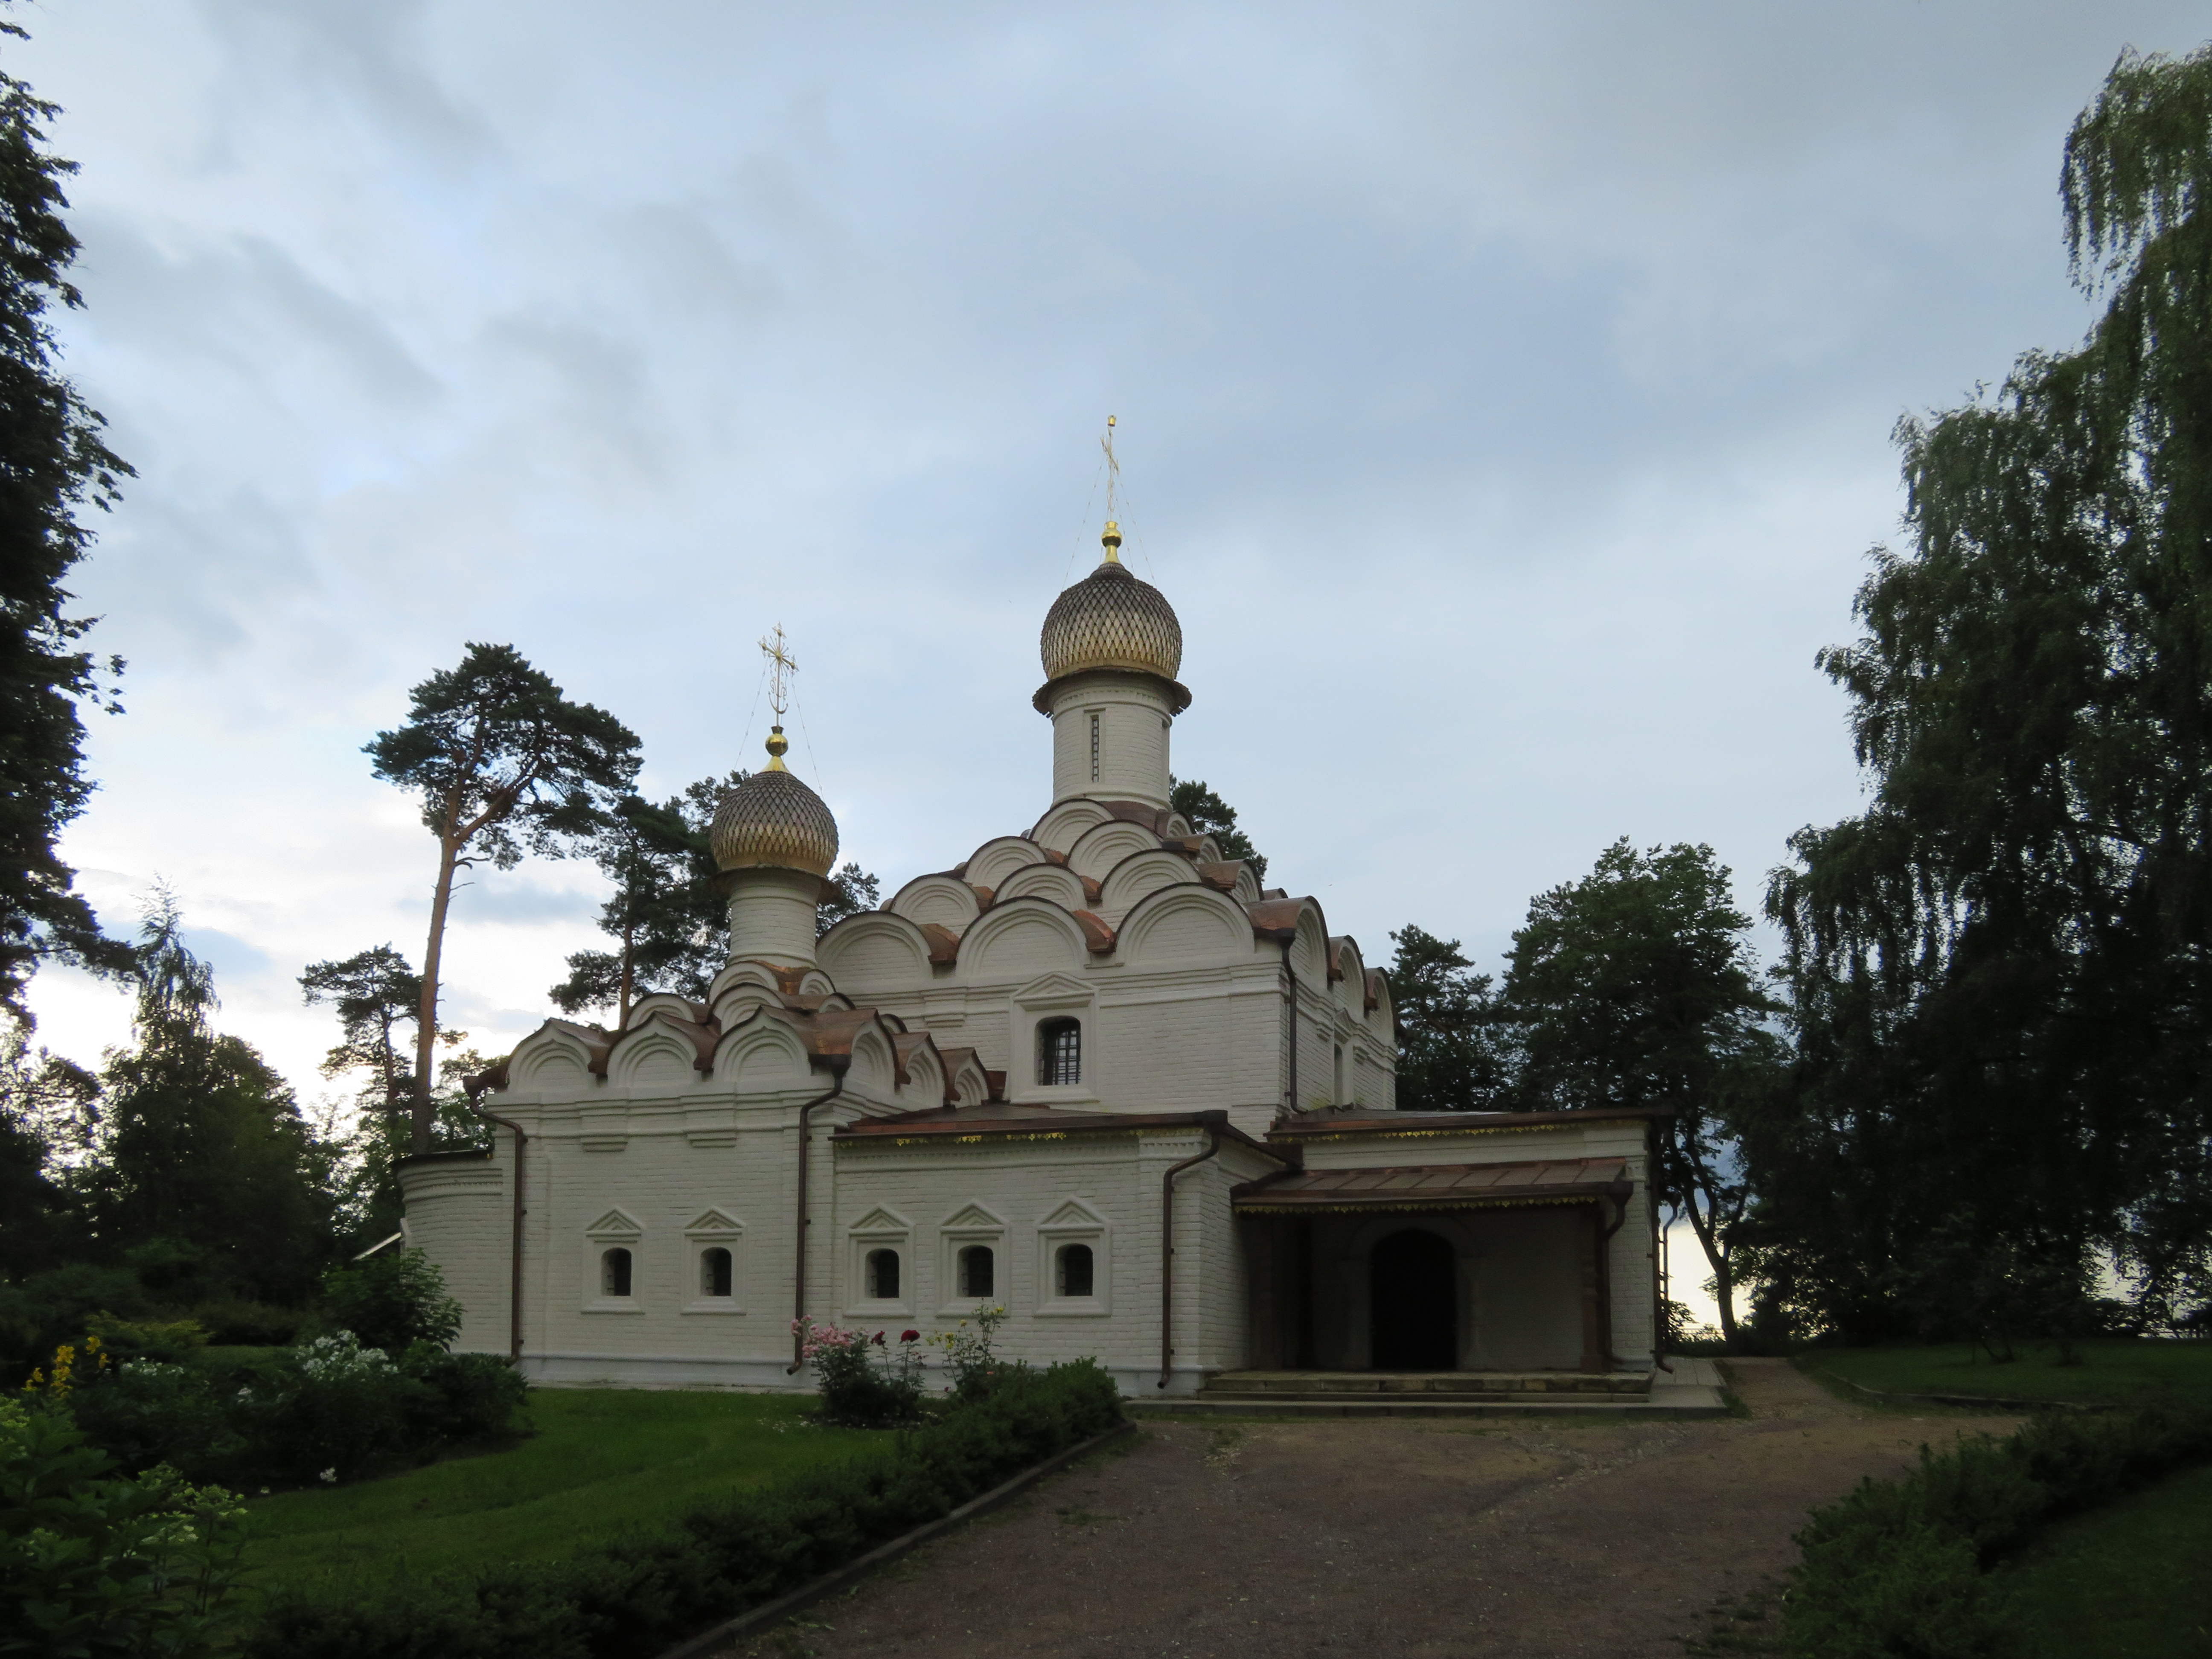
x: 1093, y: 1073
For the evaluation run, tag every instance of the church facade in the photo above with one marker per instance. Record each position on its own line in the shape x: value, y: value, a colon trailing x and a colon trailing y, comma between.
x: 1093, y: 1073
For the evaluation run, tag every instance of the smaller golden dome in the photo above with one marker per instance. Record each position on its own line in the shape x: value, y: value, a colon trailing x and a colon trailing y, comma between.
x: 774, y: 821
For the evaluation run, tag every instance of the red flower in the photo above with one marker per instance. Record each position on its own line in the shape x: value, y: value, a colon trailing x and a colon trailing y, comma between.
x: 880, y: 1339
x: 909, y: 1336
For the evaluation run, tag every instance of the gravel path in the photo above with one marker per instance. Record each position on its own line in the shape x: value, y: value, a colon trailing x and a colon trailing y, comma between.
x: 1278, y: 1541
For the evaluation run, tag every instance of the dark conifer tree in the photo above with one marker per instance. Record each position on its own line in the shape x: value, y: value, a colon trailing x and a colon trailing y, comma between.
x: 52, y: 464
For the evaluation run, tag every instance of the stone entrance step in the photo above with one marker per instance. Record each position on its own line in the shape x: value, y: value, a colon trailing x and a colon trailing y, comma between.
x: 1694, y: 1389
x: 1428, y: 1385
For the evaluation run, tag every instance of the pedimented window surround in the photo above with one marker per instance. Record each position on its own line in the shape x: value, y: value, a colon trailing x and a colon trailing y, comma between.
x: 972, y: 1225
x: 1074, y: 1222
x: 614, y: 1229
x: 716, y: 1229
x: 879, y: 1230
x: 1036, y: 1006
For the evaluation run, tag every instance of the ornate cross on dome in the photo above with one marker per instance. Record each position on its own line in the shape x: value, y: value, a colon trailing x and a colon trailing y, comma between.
x: 1112, y: 539
x: 781, y: 666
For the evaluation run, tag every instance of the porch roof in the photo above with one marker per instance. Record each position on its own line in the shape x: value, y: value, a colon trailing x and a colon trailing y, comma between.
x: 1439, y: 1187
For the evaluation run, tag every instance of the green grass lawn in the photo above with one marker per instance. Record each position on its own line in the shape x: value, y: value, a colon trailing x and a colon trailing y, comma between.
x: 2131, y: 1581
x: 2117, y: 1371
x: 601, y: 1462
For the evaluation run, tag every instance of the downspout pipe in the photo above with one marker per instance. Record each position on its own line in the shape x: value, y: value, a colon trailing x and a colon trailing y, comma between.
x: 515, y: 1266
x: 1605, y: 1279
x: 799, y: 1272
x: 1167, y: 1244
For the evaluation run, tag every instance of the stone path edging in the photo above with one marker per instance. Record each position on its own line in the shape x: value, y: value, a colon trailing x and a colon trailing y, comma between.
x: 836, y: 1578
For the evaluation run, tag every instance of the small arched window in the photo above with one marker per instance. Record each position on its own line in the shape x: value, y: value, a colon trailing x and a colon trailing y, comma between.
x: 1060, y: 1052
x: 714, y: 1272
x: 614, y: 1273
x: 1340, y: 1075
x: 1074, y: 1267
x: 978, y: 1271
x: 883, y: 1275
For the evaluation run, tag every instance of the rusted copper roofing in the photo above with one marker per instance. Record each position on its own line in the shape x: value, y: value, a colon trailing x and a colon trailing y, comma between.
x: 1439, y: 1187
x: 1096, y: 935
x: 1223, y: 875
x: 943, y: 943
x: 1387, y: 1123
x: 1111, y: 620
x: 772, y: 820
x: 1336, y: 954
x: 1276, y: 919
x: 998, y: 1083
x: 701, y: 1035
x: 904, y: 1046
x: 1092, y: 892
x: 1377, y: 983
x: 997, y: 1118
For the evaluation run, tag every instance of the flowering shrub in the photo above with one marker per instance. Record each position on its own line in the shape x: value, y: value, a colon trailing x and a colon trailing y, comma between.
x: 90, y: 1564
x: 328, y: 1410
x: 392, y: 1301
x: 975, y: 1369
x: 866, y: 1382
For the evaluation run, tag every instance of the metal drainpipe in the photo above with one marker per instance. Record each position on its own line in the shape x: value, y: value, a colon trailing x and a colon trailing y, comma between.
x: 514, y: 1281
x: 1605, y: 1275
x: 1291, y: 974
x: 1167, y: 1248
x: 799, y: 1273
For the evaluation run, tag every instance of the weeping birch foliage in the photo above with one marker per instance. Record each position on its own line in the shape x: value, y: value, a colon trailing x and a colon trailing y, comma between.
x: 2003, y: 968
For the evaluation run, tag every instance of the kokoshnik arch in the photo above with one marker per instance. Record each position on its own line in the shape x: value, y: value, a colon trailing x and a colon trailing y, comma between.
x: 1094, y: 1073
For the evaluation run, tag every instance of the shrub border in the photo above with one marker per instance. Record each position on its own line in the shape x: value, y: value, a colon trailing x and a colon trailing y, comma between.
x: 768, y: 1613
x: 1969, y: 1402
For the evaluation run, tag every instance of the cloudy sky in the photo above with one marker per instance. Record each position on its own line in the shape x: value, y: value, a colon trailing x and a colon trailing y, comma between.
x: 1504, y: 394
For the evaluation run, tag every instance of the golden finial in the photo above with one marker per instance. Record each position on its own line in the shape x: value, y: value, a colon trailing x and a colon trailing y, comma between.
x: 781, y: 666
x: 1112, y: 539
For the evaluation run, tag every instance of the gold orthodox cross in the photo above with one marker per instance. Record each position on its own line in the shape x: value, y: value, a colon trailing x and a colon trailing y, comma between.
x: 781, y: 667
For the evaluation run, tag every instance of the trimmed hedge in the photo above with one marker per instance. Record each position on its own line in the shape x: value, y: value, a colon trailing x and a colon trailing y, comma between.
x: 1900, y: 1569
x: 631, y: 1599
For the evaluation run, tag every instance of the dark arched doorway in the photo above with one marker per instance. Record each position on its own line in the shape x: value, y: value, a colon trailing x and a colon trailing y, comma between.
x: 1413, y: 1291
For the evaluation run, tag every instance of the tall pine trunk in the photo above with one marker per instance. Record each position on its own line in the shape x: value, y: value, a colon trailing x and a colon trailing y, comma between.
x: 426, y: 1022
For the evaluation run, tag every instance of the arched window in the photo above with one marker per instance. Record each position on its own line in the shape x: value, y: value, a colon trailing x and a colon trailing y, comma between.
x: 714, y: 1272
x: 978, y: 1269
x: 1072, y: 1266
x: 614, y: 1273
x: 1339, y: 1101
x: 1060, y: 1051
x: 884, y: 1275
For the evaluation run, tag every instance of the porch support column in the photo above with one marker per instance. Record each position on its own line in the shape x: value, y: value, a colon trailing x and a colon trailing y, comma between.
x: 1588, y: 1245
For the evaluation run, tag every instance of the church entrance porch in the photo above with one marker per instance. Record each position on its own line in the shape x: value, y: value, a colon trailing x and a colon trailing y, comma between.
x: 1457, y: 1279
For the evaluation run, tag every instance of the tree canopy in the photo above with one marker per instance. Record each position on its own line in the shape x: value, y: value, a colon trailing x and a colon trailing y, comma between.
x: 2002, y: 970
x: 504, y: 764
x: 52, y: 464
x: 1455, y: 1051
x: 1210, y: 815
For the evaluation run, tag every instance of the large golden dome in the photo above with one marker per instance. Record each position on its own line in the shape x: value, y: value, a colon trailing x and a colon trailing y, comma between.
x: 1111, y: 620
x: 773, y: 820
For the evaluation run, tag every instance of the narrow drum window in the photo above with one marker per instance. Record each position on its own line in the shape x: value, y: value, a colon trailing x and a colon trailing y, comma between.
x: 714, y: 1272
x: 1060, y: 1051
x: 883, y: 1275
x: 1094, y: 749
x: 977, y: 1270
x: 1074, y: 1270
x: 1339, y: 1074
x: 614, y: 1273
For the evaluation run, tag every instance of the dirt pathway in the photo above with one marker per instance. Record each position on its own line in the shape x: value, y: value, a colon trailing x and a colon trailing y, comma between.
x: 1280, y: 1540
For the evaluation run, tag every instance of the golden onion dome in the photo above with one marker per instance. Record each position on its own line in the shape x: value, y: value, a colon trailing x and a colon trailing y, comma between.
x: 1111, y: 620
x: 774, y: 821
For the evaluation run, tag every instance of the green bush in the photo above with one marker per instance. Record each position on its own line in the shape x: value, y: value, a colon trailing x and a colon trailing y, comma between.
x: 329, y: 1410
x: 1900, y: 1569
x: 632, y: 1599
x: 391, y: 1301
x: 91, y: 1564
